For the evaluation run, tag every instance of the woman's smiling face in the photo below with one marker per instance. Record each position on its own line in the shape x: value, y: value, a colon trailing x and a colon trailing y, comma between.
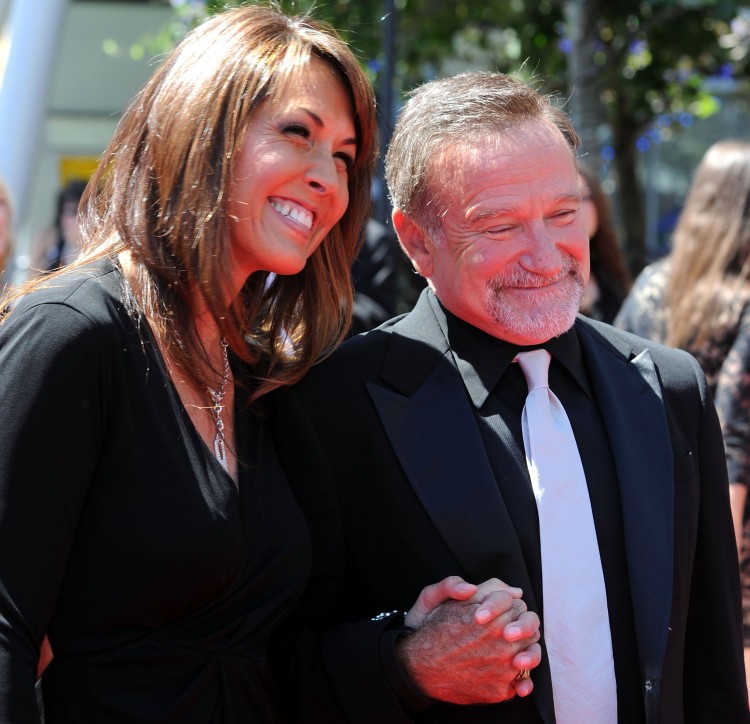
x: 290, y: 180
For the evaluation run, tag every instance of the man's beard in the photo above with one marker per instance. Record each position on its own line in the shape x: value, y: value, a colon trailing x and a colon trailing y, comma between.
x: 549, y: 316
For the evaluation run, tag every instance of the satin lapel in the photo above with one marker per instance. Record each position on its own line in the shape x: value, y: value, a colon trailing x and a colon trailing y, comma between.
x: 434, y: 434
x: 630, y: 399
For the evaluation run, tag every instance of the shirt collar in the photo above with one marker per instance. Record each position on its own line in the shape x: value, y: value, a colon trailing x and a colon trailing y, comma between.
x: 483, y: 359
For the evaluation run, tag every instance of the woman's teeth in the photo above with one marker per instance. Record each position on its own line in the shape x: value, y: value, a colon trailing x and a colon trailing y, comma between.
x: 294, y: 212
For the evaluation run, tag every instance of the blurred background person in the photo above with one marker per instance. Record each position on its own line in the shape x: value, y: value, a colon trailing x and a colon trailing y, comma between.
x: 385, y: 282
x: 610, y: 280
x: 375, y: 275
x: 698, y: 298
x: 6, y: 239
x: 61, y: 243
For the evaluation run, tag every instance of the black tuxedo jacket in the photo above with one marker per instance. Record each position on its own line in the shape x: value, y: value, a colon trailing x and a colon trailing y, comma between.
x: 381, y: 446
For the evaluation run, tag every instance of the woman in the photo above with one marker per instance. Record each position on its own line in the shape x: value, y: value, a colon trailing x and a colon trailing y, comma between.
x: 609, y: 281
x: 698, y: 299
x: 144, y: 522
x: 6, y: 239
x: 61, y: 243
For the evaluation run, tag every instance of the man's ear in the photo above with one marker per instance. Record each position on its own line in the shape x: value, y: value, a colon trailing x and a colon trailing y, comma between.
x: 414, y: 242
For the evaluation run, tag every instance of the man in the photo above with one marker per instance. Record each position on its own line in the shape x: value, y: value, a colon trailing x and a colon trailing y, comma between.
x: 406, y: 449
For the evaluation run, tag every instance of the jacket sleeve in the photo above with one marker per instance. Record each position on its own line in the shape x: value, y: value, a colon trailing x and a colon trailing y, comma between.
x: 335, y: 665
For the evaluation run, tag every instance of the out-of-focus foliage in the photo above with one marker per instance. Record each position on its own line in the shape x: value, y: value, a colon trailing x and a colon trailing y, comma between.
x: 643, y: 69
x: 656, y: 60
x: 652, y: 57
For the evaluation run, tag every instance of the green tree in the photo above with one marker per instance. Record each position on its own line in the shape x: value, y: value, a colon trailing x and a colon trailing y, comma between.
x: 627, y: 70
x: 635, y: 75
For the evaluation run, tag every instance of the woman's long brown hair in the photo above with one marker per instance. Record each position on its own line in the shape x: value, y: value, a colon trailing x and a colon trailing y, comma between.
x: 709, y: 285
x: 160, y: 192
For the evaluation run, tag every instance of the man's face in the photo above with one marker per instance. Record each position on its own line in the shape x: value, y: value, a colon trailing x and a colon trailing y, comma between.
x: 514, y: 257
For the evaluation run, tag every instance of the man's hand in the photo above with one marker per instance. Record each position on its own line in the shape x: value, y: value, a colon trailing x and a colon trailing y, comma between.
x: 470, y: 642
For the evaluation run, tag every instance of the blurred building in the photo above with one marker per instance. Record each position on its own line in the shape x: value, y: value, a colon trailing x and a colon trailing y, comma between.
x: 67, y: 70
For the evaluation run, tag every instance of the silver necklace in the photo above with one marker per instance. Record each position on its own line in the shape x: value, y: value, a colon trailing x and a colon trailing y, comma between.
x: 217, y: 397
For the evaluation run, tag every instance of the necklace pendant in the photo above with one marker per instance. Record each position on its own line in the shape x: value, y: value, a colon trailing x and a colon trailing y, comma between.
x: 217, y: 397
x: 220, y: 451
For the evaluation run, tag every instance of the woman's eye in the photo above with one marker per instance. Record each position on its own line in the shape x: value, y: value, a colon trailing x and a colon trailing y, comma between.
x: 296, y: 129
x: 345, y: 161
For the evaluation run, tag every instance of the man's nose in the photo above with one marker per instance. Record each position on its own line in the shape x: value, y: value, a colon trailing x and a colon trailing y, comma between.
x: 542, y: 255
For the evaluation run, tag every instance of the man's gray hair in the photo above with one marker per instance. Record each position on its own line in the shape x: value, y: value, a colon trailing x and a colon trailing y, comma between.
x: 444, y: 113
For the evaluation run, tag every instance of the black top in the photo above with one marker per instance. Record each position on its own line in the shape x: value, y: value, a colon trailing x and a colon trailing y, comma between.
x: 158, y: 580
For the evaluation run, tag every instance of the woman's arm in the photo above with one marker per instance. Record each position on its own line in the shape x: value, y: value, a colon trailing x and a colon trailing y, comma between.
x: 52, y: 429
x: 738, y: 500
x: 732, y: 399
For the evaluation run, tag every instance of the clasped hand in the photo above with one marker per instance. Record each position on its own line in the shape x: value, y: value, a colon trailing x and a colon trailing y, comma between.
x: 470, y: 642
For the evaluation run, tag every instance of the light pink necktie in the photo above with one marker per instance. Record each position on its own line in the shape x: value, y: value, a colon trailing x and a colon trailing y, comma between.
x: 576, y: 622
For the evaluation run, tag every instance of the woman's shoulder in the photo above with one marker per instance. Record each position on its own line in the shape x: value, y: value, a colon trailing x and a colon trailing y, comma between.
x: 84, y: 303
x: 92, y: 290
x: 642, y: 312
x: 654, y: 276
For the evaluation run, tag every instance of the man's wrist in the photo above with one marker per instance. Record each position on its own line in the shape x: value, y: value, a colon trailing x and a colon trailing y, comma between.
x: 409, y: 696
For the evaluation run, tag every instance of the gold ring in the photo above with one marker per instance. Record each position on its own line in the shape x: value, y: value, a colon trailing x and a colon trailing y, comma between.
x: 523, y: 674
